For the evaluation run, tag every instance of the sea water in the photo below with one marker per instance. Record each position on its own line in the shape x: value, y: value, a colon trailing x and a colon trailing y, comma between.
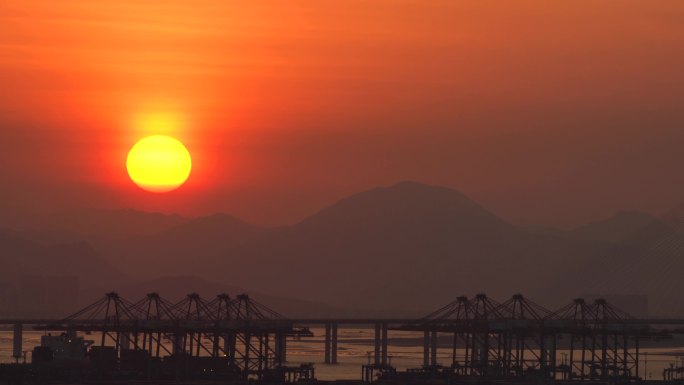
x: 356, y: 347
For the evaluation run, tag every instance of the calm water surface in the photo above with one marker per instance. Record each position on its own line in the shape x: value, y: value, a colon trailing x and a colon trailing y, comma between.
x: 353, y: 353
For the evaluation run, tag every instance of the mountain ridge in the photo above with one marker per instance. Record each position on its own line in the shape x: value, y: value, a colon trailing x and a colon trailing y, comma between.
x: 400, y: 249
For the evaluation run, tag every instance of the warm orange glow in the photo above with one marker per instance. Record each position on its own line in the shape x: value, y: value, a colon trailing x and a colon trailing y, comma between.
x: 159, y: 163
x: 278, y: 98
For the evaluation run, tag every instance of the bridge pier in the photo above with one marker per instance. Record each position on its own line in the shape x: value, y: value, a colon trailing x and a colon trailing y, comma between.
x: 433, y: 349
x: 426, y: 348
x: 18, y: 341
x: 231, y: 346
x: 125, y: 341
x: 429, y: 348
x: 281, y: 349
x: 330, y: 343
x: 377, y: 344
x: 247, y: 347
x: 327, y: 342
x: 176, y: 348
x: 333, y: 346
x: 453, y: 350
x: 384, y: 344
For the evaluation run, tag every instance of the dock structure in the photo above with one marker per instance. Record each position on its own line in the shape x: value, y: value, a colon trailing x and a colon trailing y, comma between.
x: 238, y: 334
x: 239, y: 338
x: 519, y: 338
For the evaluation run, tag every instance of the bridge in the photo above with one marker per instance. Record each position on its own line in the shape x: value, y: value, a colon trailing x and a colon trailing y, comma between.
x: 489, y: 339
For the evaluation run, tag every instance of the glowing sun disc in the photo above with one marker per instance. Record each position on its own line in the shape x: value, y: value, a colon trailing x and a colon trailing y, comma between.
x: 159, y: 163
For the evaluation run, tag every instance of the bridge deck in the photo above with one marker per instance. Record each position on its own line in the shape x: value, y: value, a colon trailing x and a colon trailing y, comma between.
x: 329, y: 320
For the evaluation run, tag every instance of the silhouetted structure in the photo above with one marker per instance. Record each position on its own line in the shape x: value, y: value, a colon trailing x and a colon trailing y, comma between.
x: 519, y: 338
x: 237, y: 337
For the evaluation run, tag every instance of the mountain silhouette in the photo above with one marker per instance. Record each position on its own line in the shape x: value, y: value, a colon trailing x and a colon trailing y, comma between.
x: 403, y: 248
x: 617, y: 228
x: 181, y: 248
x: 649, y: 261
x: 39, y: 280
x: 397, y: 250
x: 95, y: 224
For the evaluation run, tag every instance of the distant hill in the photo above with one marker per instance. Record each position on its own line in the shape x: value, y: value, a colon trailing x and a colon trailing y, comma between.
x: 183, y: 248
x: 402, y: 249
x: 651, y: 261
x: 39, y: 280
x: 397, y: 250
x: 20, y: 257
x: 669, y: 227
x: 616, y: 228
x: 92, y: 224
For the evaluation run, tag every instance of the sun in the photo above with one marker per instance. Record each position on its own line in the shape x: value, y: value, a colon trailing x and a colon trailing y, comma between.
x: 159, y: 163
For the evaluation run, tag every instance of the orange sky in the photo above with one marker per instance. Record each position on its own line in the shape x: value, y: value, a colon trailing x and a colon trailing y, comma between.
x: 544, y: 111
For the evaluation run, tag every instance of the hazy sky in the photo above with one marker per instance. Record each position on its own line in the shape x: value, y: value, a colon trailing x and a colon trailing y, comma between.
x: 544, y: 111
